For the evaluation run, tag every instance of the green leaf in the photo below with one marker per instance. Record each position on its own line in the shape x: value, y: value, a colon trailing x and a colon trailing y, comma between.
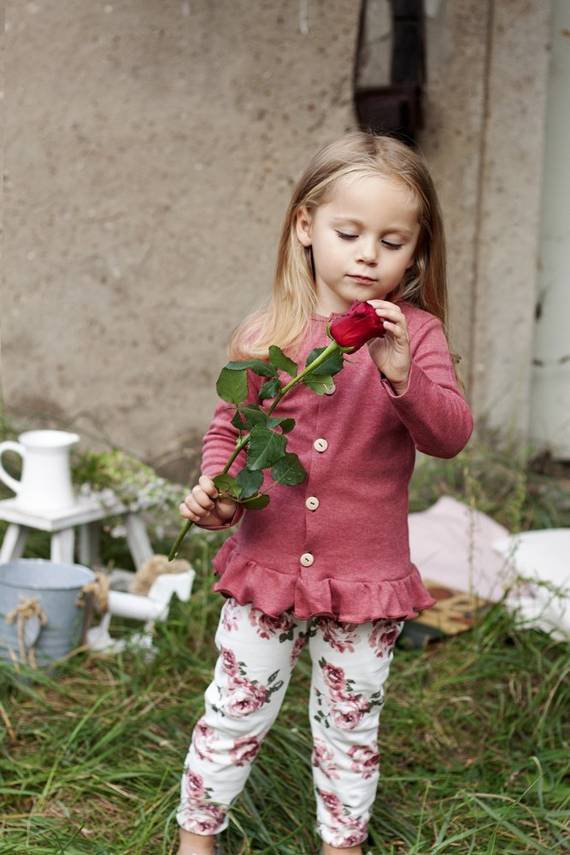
x: 269, y: 389
x: 332, y: 365
x: 232, y: 386
x: 227, y: 484
x: 285, y: 424
x: 289, y: 470
x: 238, y: 422
x: 248, y: 416
x: 279, y: 360
x: 265, y: 448
x: 320, y: 385
x: 256, y: 365
x: 249, y: 481
x: 256, y: 503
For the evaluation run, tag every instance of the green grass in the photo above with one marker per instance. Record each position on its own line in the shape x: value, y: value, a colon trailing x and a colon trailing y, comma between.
x: 474, y: 741
x: 474, y: 735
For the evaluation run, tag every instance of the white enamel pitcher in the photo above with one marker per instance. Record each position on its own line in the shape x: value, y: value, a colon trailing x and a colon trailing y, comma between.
x: 45, y: 484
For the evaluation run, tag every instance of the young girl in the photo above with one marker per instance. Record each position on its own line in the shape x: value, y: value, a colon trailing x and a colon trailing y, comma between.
x: 326, y: 564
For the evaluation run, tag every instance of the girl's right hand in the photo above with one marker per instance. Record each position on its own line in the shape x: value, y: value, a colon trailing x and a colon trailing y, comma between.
x: 203, y: 507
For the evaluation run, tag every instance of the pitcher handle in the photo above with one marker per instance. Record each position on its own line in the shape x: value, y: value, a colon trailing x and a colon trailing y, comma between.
x: 8, y: 445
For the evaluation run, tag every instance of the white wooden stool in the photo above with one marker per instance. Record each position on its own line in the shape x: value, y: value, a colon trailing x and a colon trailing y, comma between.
x: 86, y: 514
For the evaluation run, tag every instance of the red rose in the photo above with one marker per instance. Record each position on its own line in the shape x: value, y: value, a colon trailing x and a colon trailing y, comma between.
x: 357, y: 326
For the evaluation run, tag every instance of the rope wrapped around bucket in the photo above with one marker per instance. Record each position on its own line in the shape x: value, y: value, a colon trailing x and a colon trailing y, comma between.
x: 20, y: 614
x: 93, y: 595
x: 100, y: 590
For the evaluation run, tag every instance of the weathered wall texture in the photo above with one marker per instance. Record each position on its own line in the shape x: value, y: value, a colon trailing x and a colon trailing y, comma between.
x: 150, y: 150
x: 488, y: 69
x: 509, y: 219
x: 550, y: 399
x: 452, y: 143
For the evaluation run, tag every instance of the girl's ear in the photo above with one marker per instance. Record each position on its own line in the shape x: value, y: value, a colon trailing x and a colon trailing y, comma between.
x: 303, y: 226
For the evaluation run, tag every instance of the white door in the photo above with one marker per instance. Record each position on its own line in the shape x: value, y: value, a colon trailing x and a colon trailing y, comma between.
x: 550, y: 389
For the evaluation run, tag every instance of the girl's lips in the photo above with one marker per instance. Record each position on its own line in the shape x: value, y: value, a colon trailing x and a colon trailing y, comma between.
x: 366, y: 280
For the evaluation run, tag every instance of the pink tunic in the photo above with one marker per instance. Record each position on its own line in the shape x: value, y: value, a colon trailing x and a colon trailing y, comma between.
x: 337, y: 544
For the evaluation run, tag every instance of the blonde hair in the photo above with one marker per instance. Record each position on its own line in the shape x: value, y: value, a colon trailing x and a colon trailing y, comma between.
x: 285, y: 318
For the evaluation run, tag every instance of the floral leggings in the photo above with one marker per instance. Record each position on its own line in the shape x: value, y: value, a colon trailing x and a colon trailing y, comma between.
x: 257, y: 654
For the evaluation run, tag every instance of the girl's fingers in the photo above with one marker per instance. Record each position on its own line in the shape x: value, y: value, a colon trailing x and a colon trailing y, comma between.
x: 384, y: 303
x: 384, y: 309
x: 196, y: 505
x: 193, y: 505
x: 199, y: 503
x: 190, y: 509
x: 187, y: 513
x: 208, y: 486
x: 202, y: 498
x: 396, y: 315
x: 398, y: 328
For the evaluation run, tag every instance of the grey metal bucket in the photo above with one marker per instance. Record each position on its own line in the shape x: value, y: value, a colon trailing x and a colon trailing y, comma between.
x: 54, y: 622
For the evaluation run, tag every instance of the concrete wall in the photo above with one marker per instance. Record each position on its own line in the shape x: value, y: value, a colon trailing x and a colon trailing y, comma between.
x: 151, y: 146
x: 488, y: 68
x: 150, y: 149
x: 509, y: 215
x: 457, y: 39
x: 550, y: 398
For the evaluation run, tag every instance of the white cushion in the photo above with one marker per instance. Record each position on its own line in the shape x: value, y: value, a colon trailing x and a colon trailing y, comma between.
x: 542, y: 558
x: 450, y: 543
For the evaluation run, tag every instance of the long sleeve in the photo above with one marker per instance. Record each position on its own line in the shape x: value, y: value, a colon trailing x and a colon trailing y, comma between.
x: 432, y: 407
x: 220, y: 439
x: 219, y: 443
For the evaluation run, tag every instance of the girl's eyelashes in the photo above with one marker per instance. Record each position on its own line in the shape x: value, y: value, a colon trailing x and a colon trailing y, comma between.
x: 387, y: 244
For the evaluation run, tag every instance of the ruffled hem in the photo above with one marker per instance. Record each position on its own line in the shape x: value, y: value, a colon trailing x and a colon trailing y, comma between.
x: 357, y: 601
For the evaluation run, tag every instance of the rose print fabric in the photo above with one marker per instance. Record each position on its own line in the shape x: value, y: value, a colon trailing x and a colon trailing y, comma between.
x: 257, y: 654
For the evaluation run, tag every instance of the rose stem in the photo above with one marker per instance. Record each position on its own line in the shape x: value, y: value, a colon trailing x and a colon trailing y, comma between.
x: 245, y: 439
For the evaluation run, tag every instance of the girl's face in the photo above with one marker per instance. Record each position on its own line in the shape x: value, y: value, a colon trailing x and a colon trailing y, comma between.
x: 363, y: 239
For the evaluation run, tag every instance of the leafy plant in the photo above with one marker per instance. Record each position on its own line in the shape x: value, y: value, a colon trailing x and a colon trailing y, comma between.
x: 112, y: 475
x: 259, y: 433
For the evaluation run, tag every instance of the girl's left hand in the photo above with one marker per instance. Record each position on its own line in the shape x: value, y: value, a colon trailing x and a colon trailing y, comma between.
x: 391, y: 353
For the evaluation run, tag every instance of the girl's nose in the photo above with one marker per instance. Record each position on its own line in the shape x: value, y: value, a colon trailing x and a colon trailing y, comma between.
x: 368, y: 251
